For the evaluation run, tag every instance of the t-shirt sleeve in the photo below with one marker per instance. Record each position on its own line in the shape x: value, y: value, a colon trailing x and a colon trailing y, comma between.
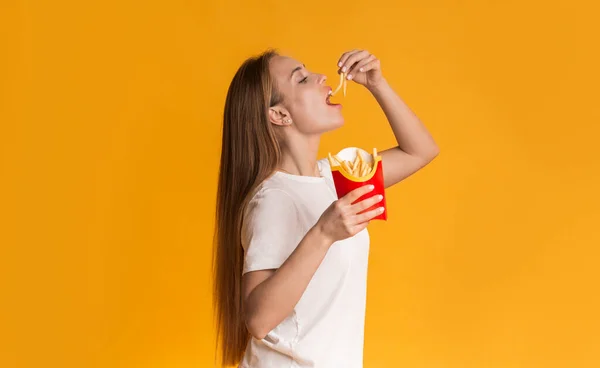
x: 271, y: 230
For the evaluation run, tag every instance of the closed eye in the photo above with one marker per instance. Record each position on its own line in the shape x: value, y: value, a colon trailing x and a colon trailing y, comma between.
x: 303, y: 80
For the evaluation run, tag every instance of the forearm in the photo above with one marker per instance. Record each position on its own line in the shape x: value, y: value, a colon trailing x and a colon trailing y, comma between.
x: 275, y: 298
x: 411, y: 135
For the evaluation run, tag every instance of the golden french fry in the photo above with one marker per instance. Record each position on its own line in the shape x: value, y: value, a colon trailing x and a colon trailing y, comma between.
x: 331, y: 160
x: 338, y: 159
x: 360, y: 163
x: 358, y: 167
x: 345, y: 82
x: 359, y: 156
x: 342, y: 82
x: 356, y: 162
x: 349, y: 164
x: 346, y: 167
x: 365, y: 170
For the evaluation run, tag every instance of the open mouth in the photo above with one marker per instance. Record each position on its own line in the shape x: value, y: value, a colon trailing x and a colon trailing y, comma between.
x: 330, y: 93
x: 328, y: 100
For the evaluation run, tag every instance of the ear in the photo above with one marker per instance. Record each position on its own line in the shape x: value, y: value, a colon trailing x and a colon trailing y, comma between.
x: 278, y: 115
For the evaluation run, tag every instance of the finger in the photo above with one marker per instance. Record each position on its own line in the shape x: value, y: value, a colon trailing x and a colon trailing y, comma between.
x: 358, y: 219
x: 366, y: 203
x: 360, y: 227
x: 357, y: 56
x: 362, y: 63
x: 373, y: 65
x: 358, y: 66
x: 345, y: 57
x: 356, y: 194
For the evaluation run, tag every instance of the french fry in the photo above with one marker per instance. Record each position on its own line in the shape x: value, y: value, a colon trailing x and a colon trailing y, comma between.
x: 365, y: 170
x: 343, y: 82
x: 346, y: 167
x: 331, y: 160
x: 338, y: 159
x: 342, y: 78
x: 358, y: 167
x: 356, y: 163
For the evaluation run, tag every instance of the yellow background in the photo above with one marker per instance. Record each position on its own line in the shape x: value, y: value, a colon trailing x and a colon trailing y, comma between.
x: 110, y: 123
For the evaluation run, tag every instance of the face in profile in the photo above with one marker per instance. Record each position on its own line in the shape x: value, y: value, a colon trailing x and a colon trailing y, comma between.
x: 305, y: 98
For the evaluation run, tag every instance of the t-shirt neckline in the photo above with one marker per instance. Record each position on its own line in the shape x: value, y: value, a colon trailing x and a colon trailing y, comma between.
x: 304, y: 178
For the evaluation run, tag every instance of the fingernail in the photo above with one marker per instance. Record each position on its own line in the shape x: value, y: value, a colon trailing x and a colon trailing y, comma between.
x: 362, y: 69
x: 379, y: 197
x: 349, y: 76
x: 381, y: 209
x: 340, y: 64
x: 371, y: 187
x: 343, y: 69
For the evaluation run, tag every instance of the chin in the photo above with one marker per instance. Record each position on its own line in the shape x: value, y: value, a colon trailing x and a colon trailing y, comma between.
x: 337, y: 123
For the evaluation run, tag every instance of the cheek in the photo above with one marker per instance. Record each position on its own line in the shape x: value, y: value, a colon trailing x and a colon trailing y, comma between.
x: 307, y: 107
x: 311, y: 113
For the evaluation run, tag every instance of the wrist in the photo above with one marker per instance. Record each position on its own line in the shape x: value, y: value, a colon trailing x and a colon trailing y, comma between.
x: 321, y: 240
x: 379, y: 87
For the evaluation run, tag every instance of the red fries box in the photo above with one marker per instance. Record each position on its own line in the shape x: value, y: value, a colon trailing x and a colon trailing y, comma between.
x: 354, y: 167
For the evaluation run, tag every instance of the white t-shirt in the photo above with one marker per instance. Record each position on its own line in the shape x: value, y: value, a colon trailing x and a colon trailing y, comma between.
x: 326, y: 328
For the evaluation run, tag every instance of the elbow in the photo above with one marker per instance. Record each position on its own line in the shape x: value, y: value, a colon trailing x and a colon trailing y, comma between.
x: 436, y: 152
x: 428, y: 156
x: 433, y: 152
x: 256, y: 328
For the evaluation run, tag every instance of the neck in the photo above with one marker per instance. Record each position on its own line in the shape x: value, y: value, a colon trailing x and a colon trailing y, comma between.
x: 299, y: 157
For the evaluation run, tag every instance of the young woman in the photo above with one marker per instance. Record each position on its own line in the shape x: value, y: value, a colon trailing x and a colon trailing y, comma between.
x: 290, y: 261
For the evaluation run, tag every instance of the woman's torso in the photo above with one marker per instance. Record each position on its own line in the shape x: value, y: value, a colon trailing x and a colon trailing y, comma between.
x: 326, y: 328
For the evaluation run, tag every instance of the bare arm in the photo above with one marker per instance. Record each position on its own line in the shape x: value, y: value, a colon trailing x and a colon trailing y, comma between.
x: 271, y: 295
x: 416, y: 148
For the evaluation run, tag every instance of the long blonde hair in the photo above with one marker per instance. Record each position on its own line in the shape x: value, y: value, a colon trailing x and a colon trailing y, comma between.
x: 250, y: 154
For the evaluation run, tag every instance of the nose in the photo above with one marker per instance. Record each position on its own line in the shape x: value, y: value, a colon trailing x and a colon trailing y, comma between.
x: 322, y: 78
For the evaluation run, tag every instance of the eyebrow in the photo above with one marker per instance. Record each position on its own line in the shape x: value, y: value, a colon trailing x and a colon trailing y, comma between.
x: 296, y: 69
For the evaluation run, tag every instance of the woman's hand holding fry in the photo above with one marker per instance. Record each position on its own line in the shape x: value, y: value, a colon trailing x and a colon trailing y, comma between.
x: 362, y: 67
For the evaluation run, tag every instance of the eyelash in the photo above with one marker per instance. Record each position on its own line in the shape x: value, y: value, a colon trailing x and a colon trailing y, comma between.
x: 303, y: 80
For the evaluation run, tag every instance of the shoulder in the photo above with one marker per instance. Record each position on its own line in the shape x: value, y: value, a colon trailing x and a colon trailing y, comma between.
x: 271, y: 201
x: 272, y: 189
x: 270, y: 194
x: 271, y: 184
x: 269, y: 212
